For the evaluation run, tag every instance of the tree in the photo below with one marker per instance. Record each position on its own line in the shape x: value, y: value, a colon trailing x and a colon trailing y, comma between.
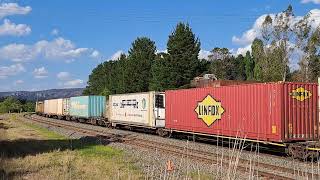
x: 141, y: 56
x: 223, y: 64
x: 29, y: 106
x: 108, y: 78
x: 183, y: 49
x: 278, y: 32
x: 249, y: 66
x: 10, y: 104
x: 159, y: 73
x: 259, y: 59
x: 308, y: 42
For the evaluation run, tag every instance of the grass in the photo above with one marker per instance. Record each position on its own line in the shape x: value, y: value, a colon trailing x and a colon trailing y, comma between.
x: 33, y: 152
x: 43, y: 132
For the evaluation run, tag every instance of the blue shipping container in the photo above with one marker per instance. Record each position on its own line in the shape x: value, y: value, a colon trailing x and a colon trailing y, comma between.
x: 87, y: 106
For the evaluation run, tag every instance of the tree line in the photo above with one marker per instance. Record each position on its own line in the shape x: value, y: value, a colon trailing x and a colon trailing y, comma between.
x: 10, y: 105
x: 144, y: 69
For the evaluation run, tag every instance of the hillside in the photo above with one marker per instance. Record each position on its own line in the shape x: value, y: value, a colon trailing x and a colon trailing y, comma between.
x: 45, y: 94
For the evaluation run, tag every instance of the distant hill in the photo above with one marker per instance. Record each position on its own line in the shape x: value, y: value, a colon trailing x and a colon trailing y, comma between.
x: 45, y: 94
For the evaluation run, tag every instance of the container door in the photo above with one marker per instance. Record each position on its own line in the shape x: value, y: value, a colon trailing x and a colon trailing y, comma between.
x: 301, y: 117
x: 66, y: 105
x: 159, y: 110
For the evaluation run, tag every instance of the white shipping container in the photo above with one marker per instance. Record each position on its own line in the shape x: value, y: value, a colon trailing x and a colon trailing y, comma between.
x: 138, y: 109
x: 53, y: 106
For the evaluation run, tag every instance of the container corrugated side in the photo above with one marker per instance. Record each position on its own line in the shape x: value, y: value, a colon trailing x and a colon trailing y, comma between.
x: 59, y: 107
x: 87, y: 106
x: 300, y: 111
x: 133, y: 108
x: 252, y: 111
x: 97, y: 106
x: 53, y: 106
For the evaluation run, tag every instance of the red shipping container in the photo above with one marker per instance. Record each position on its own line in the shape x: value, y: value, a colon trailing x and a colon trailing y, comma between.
x: 273, y: 112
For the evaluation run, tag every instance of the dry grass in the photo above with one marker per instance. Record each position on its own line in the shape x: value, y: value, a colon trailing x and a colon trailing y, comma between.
x: 32, y: 152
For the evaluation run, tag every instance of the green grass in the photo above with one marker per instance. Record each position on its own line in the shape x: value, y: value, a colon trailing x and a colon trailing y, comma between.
x: 44, y: 154
x: 42, y: 131
x: 200, y: 175
x: 100, y: 151
x: 45, y: 132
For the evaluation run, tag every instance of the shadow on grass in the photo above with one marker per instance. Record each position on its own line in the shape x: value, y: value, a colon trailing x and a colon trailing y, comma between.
x: 24, y: 147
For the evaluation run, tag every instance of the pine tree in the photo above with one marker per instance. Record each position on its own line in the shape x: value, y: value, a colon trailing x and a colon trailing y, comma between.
x: 183, y: 49
x: 258, y: 56
x: 159, y: 73
x: 241, y: 68
x: 249, y: 66
x: 141, y: 56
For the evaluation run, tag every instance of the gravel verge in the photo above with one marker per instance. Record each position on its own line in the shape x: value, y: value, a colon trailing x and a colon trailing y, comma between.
x: 153, y: 162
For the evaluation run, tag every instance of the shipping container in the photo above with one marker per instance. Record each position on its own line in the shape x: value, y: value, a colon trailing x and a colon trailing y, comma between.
x: 65, y: 106
x: 145, y: 109
x: 53, y: 107
x: 272, y: 112
x: 39, y: 107
x: 87, y: 107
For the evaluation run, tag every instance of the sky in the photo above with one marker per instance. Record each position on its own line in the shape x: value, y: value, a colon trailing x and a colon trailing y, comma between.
x: 56, y: 44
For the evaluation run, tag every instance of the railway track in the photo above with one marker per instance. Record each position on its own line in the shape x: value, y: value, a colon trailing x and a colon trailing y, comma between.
x: 265, y: 170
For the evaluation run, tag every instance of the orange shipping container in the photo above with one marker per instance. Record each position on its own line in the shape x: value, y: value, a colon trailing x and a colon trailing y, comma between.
x: 275, y: 112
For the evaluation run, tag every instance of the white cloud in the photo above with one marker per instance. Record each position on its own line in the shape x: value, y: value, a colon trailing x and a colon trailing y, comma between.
x: 73, y: 83
x: 8, y: 9
x: 58, y: 48
x: 12, y: 70
x: 55, y: 32
x: 116, y: 55
x: 203, y: 54
x: 63, y: 76
x: 40, y: 73
x: 310, y: 1
x: 246, y: 39
x: 244, y: 50
x: 248, y: 36
x: 18, y: 82
x: 95, y: 54
x: 9, y: 28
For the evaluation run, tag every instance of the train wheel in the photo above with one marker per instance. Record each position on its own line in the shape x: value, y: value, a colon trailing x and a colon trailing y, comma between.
x: 163, y: 133
x: 298, y: 151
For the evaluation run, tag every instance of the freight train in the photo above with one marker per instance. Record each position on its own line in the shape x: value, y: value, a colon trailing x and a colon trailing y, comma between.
x: 282, y: 114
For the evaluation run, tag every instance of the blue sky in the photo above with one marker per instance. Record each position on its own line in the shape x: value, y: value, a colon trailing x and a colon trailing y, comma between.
x: 56, y: 44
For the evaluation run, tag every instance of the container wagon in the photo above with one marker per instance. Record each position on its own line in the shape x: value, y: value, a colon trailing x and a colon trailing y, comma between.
x: 276, y: 113
x: 144, y: 110
x: 39, y: 107
x: 87, y: 108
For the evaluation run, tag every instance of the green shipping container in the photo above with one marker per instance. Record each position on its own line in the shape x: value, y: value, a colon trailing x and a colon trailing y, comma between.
x: 87, y: 106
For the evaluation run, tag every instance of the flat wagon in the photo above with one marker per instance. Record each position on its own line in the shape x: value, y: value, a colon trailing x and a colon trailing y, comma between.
x: 280, y: 113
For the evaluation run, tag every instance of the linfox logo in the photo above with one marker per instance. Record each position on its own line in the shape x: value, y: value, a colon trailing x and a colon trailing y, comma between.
x: 300, y: 94
x: 209, y: 110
